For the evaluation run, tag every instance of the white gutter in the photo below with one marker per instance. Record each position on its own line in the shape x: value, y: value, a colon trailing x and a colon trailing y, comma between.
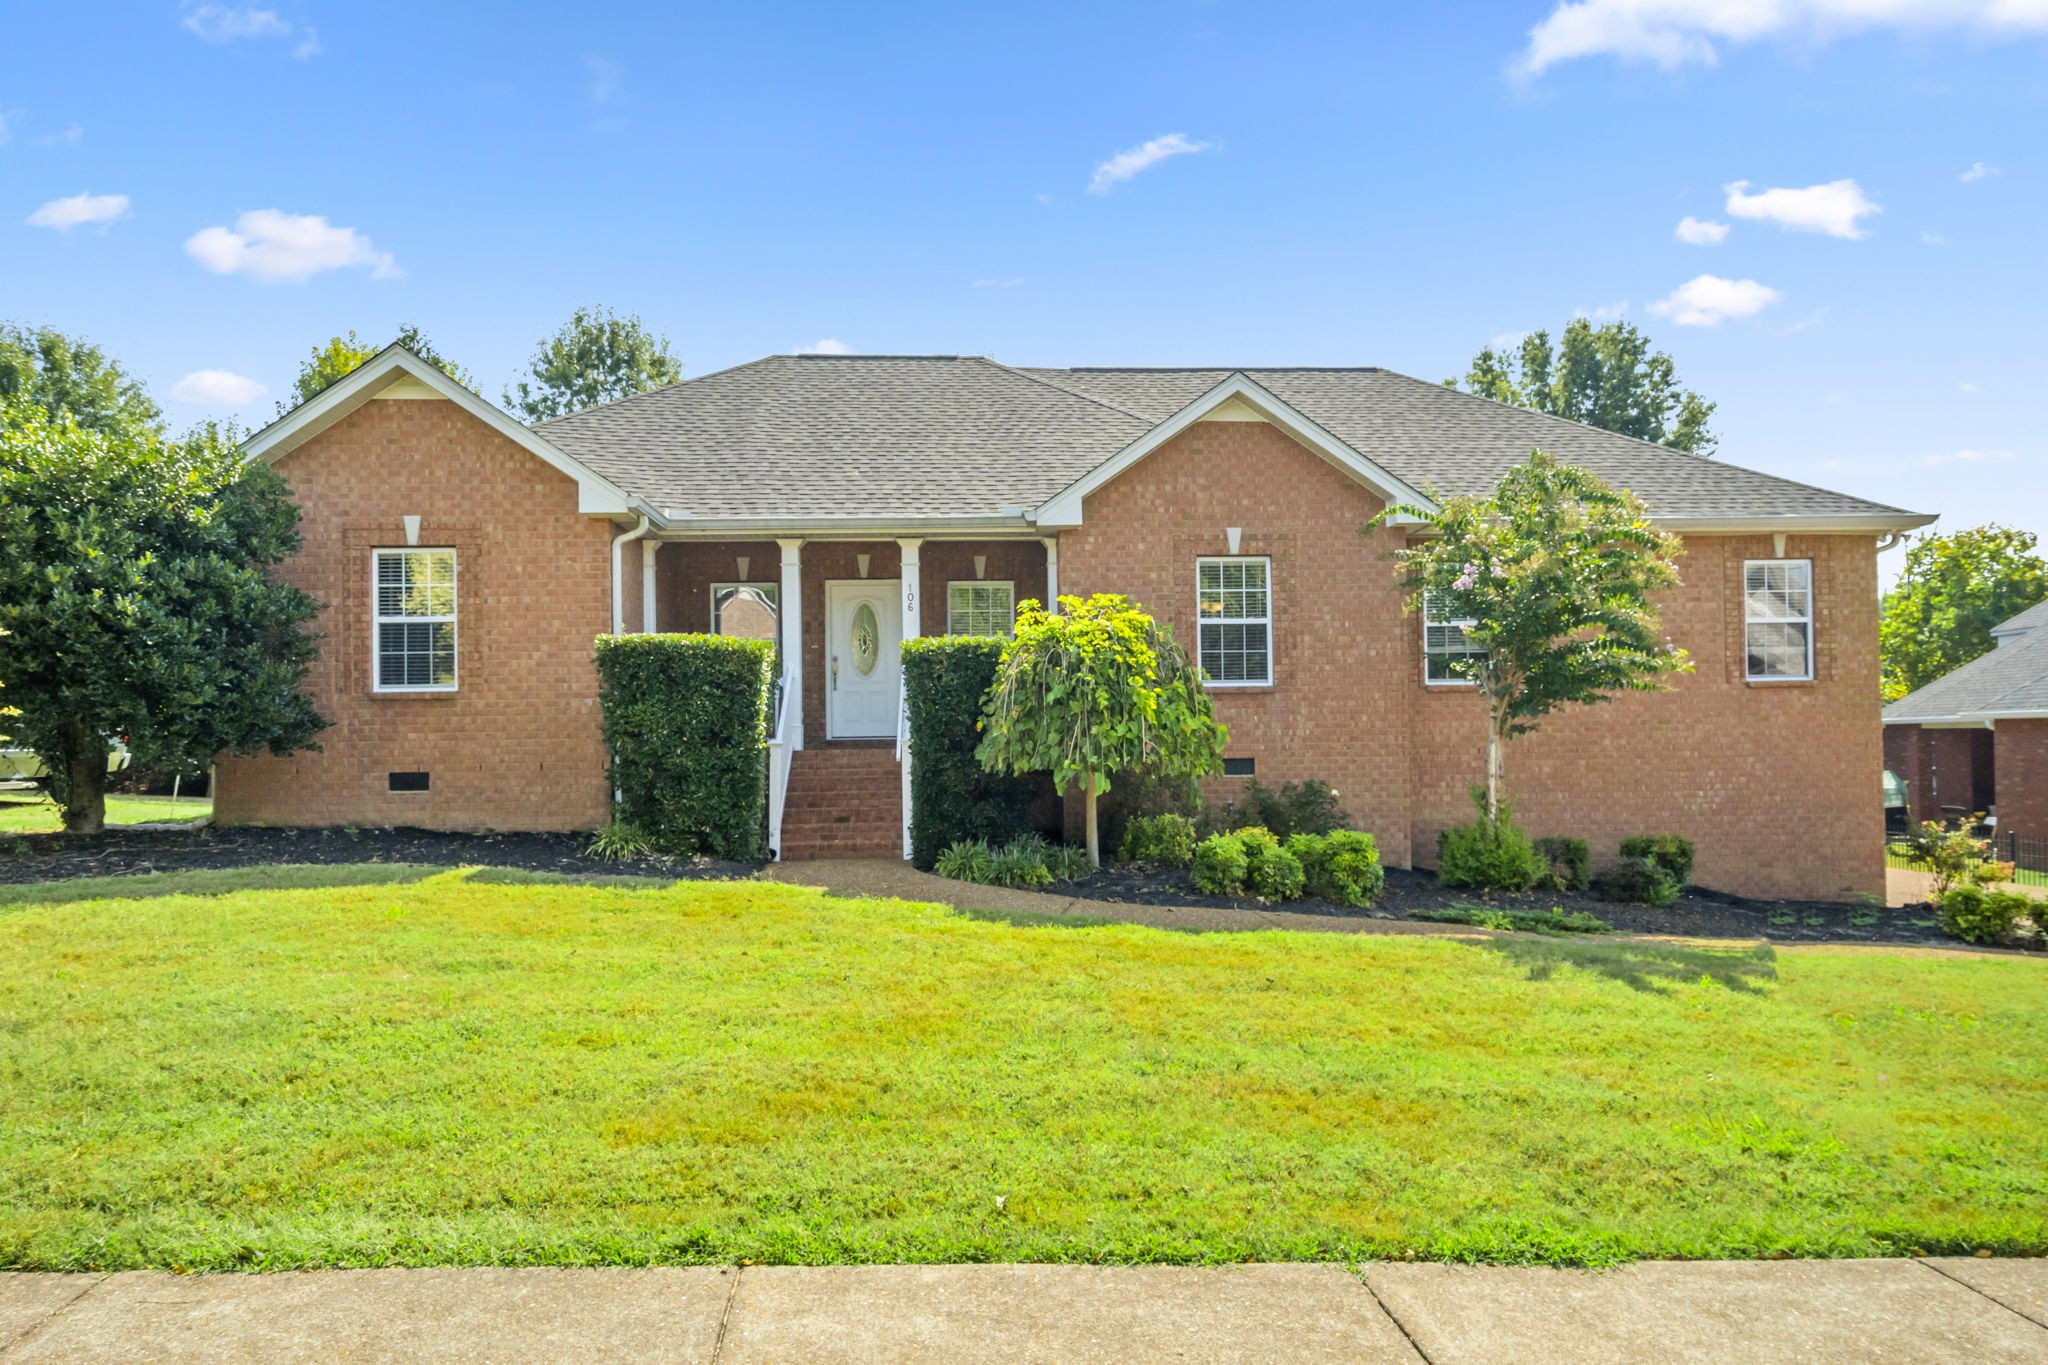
x: 1857, y: 525
x: 619, y: 572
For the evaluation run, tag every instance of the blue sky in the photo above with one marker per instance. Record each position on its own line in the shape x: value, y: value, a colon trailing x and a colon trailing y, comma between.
x: 219, y: 187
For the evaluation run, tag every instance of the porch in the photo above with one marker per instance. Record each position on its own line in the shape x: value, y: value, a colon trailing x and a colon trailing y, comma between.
x: 839, y: 610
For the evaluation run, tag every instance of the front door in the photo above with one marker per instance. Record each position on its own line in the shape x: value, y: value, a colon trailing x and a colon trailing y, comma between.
x: 863, y: 666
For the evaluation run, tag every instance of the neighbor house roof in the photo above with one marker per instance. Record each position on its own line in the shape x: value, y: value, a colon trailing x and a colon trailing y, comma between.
x: 963, y: 436
x: 2033, y: 618
x: 2008, y: 683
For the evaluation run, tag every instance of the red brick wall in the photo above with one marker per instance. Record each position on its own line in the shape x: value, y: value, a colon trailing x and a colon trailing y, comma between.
x: 1944, y: 767
x: 2023, y: 778
x: 1777, y: 783
x: 518, y: 745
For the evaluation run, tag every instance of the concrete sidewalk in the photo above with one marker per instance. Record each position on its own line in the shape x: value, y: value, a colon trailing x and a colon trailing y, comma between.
x: 1808, y: 1311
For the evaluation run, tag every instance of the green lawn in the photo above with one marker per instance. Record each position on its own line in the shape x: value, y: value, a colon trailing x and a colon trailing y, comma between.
x: 360, y: 1066
x: 28, y: 813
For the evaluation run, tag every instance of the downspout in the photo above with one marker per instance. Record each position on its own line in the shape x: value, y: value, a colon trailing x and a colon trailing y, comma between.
x: 619, y: 573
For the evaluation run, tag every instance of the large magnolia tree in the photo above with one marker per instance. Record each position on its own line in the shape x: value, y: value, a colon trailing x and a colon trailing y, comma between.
x: 1097, y: 689
x: 136, y: 602
x: 1555, y: 573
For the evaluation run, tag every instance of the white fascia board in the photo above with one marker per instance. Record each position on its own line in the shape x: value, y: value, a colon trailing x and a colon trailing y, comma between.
x: 1854, y: 524
x: 1064, y: 507
x: 680, y: 525
x: 595, y: 495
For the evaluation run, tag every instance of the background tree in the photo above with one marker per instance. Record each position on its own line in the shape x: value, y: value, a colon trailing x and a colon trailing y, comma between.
x: 597, y: 356
x: 1605, y: 376
x: 135, y: 602
x: 72, y: 377
x: 342, y: 355
x: 1953, y: 590
x: 1556, y: 571
x: 1098, y: 689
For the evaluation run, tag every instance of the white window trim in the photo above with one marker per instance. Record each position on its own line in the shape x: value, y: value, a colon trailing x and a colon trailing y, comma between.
x: 1748, y: 621
x: 1462, y: 623
x: 1272, y: 651
x: 1009, y: 583
x: 378, y: 618
x: 773, y: 590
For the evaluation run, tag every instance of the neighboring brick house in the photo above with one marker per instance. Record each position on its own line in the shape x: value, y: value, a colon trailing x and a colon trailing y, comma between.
x: 846, y: 502
x: 1975, y: 741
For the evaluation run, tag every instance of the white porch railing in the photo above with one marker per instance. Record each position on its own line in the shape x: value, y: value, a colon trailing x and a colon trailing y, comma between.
x: 779, y: 753
x: 903, y: 753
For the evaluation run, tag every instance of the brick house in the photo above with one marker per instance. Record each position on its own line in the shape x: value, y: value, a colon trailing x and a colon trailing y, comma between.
x: 1976, y: 740
x: 844, y: 503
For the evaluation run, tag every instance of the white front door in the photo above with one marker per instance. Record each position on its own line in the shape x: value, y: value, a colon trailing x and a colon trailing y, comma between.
x: 863, y: 663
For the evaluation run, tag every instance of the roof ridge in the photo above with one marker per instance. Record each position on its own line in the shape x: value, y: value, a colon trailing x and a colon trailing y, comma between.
x: 624, y: 399
x: 1022, y: 373
x: 1221, y: 369
x: 1649, y: 445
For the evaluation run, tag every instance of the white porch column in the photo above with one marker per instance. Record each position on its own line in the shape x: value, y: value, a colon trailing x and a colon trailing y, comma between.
x: 1052, y: 573
x: 648, y: 617
x: 791, y: 611
x: 913, y: 605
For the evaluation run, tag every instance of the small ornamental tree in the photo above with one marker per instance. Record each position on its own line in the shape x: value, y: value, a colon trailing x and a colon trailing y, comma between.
x: 1097, y: 689
x: 1555, y: 573
x: 135, y: 603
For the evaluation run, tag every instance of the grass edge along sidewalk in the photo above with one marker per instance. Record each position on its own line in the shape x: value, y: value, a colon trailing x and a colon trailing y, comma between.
x: 385, y: 1065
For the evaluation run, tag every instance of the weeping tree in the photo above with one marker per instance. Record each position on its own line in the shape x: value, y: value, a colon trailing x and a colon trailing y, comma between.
x: 1552, y: 576
x: 136, y: 602
x: 1099, y: 688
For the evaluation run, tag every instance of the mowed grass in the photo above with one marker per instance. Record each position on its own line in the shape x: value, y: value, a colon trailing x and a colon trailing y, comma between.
x: 409, y: 1066
x: 27, y: 813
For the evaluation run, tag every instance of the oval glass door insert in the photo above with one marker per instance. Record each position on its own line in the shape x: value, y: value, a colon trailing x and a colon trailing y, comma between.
x: 867, y: 639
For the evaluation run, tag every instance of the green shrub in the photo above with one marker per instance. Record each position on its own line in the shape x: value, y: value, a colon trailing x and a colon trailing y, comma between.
x: 1489, y: 855
x: 1293, y: 808
x: 1168, y: 840
x: 1342, y: 866
x: 1672, y: 852
x: 686, y: 719
x: 1021, y: 863
x: 617, y: 842
x: 1975, y: 915
x: 1133, y: 795
x: 970, y: 860
x: 1636, y: 880
x: 1275, y: 874
x: 1571, y: 863
x: 1068, y: 862
x: 946, y: 680
x: 1025, y: 861
x: 1954, y: 853
x: 1221, y: 865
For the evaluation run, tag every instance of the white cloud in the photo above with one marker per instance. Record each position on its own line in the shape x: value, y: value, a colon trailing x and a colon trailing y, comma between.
x: 1126, y: 164
x: 1606, y: 312
x: 1502, y: 341
x: 607, y: 80
x: 1675, y: 33
x: 68, y: 138
x: 1832, y: 208
x: 1701, y: 232
x: 1010, y: 283
x: 1980, y: 170
x: 217, y: 23
x: 277, y: 247
x: 1932, y: 238
x: 218, y: 388
x: 1966, y: 457
x: 66, y: 214
x: 1709, y: 301
x: 825, y: 346
x: 7, y: 117
x: 1967, y: 386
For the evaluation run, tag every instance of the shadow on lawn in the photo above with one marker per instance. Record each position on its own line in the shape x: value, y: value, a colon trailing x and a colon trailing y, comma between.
x: 1642, y: 965
x: 214, y: 882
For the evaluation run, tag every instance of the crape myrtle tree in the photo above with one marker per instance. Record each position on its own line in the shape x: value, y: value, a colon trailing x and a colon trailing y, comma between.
x: 597, y: 356
x: 135, y: 602
x: 1099, y: 688
x: 1555, y: 572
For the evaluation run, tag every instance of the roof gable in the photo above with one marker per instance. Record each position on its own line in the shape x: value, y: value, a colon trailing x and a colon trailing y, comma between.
x: 397, y: 373
x: 2007, y: 683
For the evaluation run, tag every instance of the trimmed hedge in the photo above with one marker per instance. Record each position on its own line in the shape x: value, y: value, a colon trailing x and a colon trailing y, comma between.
x: 953, y: 799
x: 1571, y: 862
x: 686, y: 719
x: 1671, y: 852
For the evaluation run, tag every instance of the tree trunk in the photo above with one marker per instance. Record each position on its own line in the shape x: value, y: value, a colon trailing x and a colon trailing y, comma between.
x: 1494, y: 742
x: 1094, y: 840
x: 84, y: 794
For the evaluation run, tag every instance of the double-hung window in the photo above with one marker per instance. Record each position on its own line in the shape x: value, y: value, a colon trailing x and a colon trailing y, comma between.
x: 980, y: 608
x: 1448, y: 654
x: 1234, y: 620
x: 1777, y: 607
x: 413, y: 598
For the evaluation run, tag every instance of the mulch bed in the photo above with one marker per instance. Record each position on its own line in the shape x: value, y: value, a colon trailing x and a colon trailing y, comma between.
x: 124, y: 852
x: 1697, y: 913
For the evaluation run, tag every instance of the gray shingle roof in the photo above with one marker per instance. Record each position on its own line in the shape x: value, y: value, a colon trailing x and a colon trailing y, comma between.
x: 964, y: 436
x: 2010, y: 680
x: 2033, y: 618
